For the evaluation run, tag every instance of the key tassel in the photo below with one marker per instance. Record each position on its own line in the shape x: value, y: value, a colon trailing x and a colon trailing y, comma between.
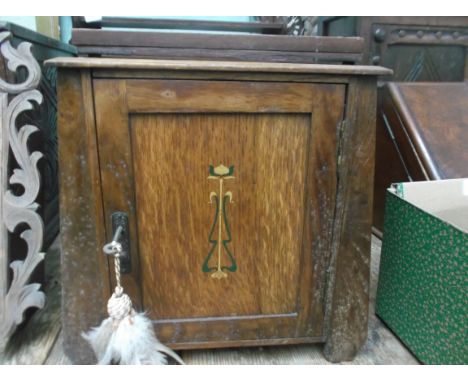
x: 126, y: 337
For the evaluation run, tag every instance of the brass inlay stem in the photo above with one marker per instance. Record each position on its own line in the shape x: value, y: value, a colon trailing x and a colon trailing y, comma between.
x: 220, y: 217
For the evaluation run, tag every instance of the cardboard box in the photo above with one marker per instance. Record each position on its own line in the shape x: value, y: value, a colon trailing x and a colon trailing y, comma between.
x: 422, y: 292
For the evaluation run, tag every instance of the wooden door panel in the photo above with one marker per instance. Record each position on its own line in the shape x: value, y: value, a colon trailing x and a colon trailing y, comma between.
x: 156, y: 145
x: 174, y: 216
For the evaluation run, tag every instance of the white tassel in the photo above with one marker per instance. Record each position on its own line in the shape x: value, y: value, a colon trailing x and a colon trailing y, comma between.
x: 126, y: 337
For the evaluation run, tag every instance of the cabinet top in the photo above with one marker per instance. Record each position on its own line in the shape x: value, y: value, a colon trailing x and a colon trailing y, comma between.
x: 227, y: 66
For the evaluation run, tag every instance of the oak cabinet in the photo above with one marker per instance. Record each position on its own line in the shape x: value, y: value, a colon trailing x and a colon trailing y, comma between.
x: 247, y: 191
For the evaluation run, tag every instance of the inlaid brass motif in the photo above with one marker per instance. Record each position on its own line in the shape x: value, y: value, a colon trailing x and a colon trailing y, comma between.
x: 220, y: 200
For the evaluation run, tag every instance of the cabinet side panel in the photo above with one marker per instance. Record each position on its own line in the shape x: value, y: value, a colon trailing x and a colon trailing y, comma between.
x: 348, y: 297
x: 84, y: 291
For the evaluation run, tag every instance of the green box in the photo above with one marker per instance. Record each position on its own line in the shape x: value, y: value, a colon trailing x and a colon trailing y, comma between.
x: 422, y: 292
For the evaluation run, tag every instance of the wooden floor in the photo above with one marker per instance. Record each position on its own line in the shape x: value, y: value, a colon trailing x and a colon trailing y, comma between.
x: 40, y: 342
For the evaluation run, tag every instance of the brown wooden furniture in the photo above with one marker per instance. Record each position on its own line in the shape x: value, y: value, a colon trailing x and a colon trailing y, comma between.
x: 247, y: 190
x: 223, y: 47
x: 416, y: 48
x: 422, y: 134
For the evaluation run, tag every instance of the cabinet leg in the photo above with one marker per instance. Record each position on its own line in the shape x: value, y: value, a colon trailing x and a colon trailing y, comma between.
x: 340, y: 349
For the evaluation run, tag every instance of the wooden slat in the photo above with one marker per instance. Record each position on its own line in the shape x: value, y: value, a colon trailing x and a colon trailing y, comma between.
x: 259, y: 55
x: 224, y: 76
x: 228, y: 66
x: 82, y: 37
x: 180, y: 24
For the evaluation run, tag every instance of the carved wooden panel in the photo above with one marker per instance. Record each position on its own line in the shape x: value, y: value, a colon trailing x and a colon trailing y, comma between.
x: 44, y: 140
x: 419, y: 53
x: 417, y: 48
x: 45, y: 118
x: 18, y: 206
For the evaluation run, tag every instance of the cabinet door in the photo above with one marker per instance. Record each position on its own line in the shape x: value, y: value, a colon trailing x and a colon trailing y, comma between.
x: 230, y: 190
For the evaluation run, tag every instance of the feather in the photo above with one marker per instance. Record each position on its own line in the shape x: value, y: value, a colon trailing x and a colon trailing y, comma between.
x: 131, y: 342
x: 99, y: 339
x: 125, y: 337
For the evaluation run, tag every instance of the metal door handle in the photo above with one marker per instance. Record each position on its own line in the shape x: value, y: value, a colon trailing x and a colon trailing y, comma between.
x: 120, y: 236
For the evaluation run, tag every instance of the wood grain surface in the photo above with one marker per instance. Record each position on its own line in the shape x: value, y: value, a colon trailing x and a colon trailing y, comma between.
x: 422, y: 134
x: 436, y: 120
x: 184, y: 96
x: 174, y: 215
